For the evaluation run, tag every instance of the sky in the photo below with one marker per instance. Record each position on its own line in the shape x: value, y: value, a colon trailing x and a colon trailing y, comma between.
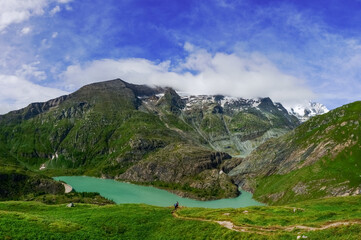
x: 291, y: 51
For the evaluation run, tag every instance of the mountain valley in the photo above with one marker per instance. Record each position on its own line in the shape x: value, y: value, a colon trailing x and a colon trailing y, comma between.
x: 196, y: 146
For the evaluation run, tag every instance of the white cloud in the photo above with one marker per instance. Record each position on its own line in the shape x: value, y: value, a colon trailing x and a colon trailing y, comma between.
x: 201, y: 73
x: 54, y: 10
x: 31, y: 71
x: 26, y: 30
x: 54, y: 35
x: 19, y: 11
x: 16, y: 93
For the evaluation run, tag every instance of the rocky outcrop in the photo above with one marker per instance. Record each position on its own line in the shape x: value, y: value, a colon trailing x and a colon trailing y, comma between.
x: 171, y: 101
x: 184, y: 165
x: 175, y: 169
x: 209, y: 185
x: 230, y: 164
x: 37, y: 108
x: 32, y: 110
x: 141, y: 146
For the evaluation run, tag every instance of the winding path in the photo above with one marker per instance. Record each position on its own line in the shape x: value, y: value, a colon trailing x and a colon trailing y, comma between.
x: 270, y: 229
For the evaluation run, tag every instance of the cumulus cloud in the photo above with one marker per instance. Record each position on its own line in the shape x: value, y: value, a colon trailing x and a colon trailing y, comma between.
x: 249, y: 76
x: 19, y: 11
x: 54, y: 35
x: 31, y: 71
x: 16, y: 93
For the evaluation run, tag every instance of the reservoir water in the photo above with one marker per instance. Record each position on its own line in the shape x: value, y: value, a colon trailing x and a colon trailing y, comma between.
x: 121, y: 192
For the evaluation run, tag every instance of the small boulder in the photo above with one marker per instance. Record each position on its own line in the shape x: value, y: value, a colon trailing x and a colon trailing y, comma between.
x: 70, y: 205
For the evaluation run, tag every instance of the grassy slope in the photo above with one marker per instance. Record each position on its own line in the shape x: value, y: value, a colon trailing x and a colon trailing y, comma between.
x: 19, y: 220
x: 314, y: 213
x: 91, y: 132
x: 333, y: 143
x: 34, y: 221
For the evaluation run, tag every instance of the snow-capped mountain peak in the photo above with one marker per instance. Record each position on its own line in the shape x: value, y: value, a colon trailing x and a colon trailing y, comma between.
x: 305, y: 112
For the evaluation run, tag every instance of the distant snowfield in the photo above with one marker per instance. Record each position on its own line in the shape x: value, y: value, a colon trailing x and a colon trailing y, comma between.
x: 305, y: 112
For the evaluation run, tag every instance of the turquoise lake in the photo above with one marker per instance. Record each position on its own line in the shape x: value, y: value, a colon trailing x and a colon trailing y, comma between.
x: 122, y: 192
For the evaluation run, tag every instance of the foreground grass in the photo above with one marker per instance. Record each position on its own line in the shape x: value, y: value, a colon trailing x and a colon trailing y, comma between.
x: 33, y: 220
x: 280, y: 219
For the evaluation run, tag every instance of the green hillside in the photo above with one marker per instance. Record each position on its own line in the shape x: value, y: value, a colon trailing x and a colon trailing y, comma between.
x: 322, y: 219
x: 320, y: 158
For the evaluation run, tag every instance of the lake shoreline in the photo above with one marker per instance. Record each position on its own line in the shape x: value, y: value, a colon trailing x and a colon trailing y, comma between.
x: 125, y: 192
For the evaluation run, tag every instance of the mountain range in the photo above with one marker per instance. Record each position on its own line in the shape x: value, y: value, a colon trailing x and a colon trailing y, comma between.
x: 196, y: 146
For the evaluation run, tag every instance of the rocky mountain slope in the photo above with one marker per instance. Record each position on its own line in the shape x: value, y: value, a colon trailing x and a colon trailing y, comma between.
x: 233, y: 125
x: 320, y: 158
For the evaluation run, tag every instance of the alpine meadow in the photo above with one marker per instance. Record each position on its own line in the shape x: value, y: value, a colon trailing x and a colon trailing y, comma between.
x: 180, y: 119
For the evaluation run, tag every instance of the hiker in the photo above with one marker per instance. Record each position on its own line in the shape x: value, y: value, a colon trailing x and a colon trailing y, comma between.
x: 176, y: 205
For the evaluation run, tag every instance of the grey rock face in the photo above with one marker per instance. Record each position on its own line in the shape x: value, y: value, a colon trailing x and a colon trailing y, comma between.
x: 174, y: 169
x: 198, y: 171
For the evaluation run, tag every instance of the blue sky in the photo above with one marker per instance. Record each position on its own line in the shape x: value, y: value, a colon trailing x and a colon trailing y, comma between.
x: 292, y: 51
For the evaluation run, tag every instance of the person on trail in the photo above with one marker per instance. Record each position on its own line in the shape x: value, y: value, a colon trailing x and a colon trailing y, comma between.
x: 176, y: 205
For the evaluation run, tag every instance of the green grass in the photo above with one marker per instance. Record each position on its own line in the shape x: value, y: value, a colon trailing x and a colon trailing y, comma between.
x: 32, y: 220
x: 312, y: 213
x: 19, y: 220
